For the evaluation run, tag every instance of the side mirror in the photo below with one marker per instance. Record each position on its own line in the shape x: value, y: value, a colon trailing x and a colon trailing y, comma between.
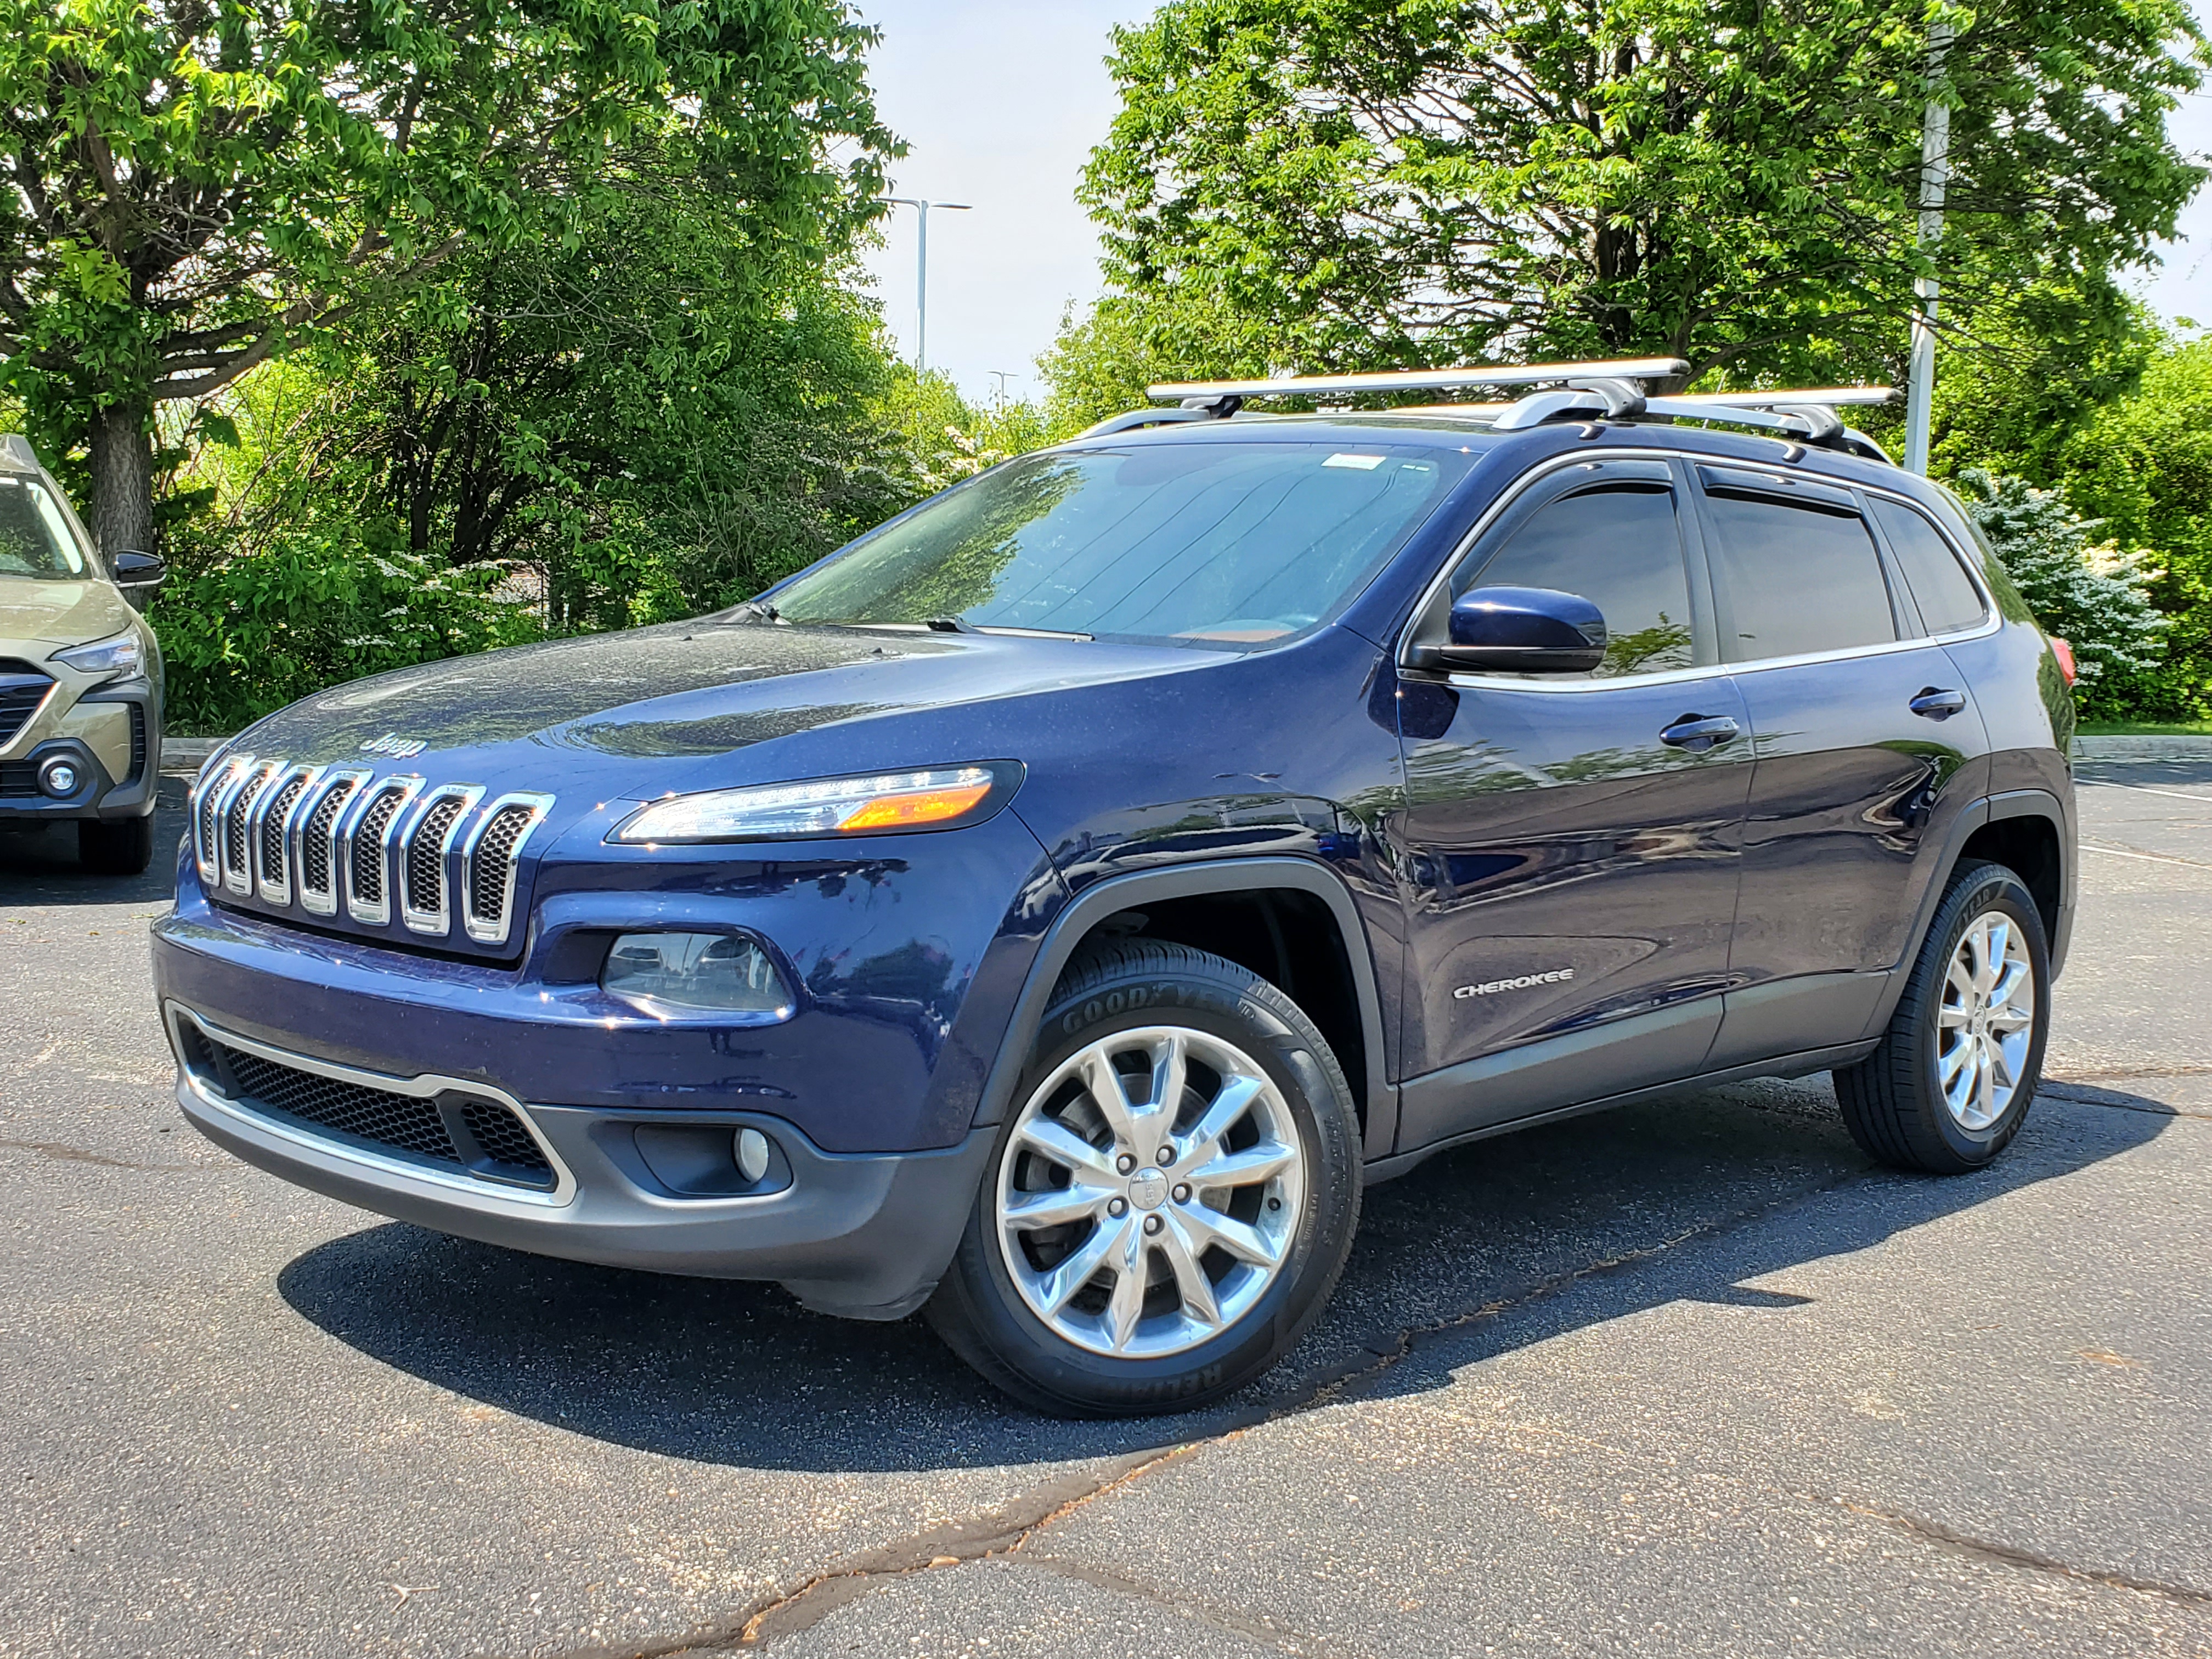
x: 138, y: 574
x: 1518, y: 630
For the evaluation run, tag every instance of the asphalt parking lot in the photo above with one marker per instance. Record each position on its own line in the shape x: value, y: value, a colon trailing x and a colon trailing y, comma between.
x: 1690, y: 1378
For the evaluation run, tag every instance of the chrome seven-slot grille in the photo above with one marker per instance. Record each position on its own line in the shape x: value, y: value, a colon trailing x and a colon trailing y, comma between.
x: 329, y: 840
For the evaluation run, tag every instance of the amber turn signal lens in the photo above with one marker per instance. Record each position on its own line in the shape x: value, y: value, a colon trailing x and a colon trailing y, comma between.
x: 2065, y: 653
x: 929, y: 807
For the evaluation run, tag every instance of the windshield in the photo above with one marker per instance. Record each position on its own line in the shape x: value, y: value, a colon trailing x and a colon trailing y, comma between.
x: 1229, y: 543
x: 34, y: 536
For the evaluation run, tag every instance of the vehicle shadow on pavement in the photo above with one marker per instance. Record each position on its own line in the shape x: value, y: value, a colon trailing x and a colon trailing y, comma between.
x: 1477, y: 1252
x: 39, y: 865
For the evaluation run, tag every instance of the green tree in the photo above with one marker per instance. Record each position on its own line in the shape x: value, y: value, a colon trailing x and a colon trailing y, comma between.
x: 654, y: 415
x: 2142, y: 466
x: 195, y: 185
x: 1384, y: 181
x: 2093, y: 594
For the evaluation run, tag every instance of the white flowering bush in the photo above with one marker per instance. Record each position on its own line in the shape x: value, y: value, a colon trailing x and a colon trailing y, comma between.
x: 2093, y: 594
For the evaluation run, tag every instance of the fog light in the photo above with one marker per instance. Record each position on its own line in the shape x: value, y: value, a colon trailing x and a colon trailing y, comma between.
x: 59, y: 777
x: 752, y: 1154
x: 721, y: 973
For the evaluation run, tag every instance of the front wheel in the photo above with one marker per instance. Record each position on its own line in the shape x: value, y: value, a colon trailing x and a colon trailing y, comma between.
x: 1951, y: 1082
x: 1170, y: 1200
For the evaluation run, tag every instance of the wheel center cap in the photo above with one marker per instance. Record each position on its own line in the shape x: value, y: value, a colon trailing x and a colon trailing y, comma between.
x: 1148, y: 1189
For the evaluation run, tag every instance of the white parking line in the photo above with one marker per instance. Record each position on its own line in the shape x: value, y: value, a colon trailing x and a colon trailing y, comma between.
x: 2153, y: 858
x: 2145, y: 789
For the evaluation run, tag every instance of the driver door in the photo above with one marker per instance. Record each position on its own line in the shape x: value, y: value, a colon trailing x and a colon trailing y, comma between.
x: 1572, y: 852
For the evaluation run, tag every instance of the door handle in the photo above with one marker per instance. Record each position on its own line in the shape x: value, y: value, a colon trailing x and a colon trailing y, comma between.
x: 1937, y: 704
x: 1697, y: 733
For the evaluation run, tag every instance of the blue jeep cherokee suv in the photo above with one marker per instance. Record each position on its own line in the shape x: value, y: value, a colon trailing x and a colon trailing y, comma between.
x: 1053, y: 907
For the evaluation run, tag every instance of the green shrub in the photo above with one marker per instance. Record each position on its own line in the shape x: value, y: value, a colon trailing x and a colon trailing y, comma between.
x: 2094, y: 595
x: 245, y: 635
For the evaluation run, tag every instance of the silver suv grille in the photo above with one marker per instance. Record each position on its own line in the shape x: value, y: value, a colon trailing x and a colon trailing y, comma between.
x: 435, y: 858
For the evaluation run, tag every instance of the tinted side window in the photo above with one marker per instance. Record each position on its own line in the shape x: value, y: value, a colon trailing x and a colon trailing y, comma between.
x: 1616, y: 547
x: 1792, y: 580
x: 1945, y: 593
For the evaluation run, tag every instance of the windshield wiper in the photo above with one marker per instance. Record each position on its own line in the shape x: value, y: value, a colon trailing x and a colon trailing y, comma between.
x: 961, y: 625
x: 753, y: 610
x: 956, y: 625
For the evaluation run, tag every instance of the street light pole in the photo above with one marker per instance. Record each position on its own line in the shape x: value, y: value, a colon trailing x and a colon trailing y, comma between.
x: 1935, y: 179
x: 921, y: 271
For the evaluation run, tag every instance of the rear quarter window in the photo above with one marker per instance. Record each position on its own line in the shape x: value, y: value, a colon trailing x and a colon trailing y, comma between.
x: 1947, y: 596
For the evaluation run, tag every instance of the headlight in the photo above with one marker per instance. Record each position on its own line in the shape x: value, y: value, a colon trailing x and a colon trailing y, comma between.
x: 944, y: 798
x: 120, y: 655
x: 718, y: 972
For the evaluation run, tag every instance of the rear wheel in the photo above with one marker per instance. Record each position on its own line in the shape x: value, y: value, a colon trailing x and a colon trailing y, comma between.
x: 1958, y: 1067
x: 1170, y: 1198
x: 118, y: 847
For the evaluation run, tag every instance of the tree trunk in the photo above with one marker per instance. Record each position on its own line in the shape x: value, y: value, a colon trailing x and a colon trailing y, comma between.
x: 123, y: 479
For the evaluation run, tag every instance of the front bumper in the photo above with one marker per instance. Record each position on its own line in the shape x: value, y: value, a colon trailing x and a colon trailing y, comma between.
x: 114, y: 733
x: 861, y: 1234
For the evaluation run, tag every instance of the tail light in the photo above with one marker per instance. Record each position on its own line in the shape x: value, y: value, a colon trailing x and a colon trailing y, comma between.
x: 2065, y: 653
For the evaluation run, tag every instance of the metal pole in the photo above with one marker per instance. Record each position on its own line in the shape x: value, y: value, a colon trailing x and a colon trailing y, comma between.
x: 1935, y: 177
x: 921, y: 291
x: 922, y: 272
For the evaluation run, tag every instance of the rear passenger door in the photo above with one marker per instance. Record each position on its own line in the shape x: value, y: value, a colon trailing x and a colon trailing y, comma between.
x: 1865, y: 735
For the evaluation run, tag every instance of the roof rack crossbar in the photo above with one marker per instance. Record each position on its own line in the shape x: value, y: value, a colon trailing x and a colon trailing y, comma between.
x: 1413, y: 380
x: 1828, y: 397
x: 1688, y: 409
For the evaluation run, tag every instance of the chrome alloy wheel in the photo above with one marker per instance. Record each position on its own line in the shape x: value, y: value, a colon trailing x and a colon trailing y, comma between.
x: 1150, y: 1192
x: 1987, y: 1023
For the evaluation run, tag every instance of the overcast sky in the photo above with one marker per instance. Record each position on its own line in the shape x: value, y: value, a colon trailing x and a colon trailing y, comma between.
x: 1000, y: 102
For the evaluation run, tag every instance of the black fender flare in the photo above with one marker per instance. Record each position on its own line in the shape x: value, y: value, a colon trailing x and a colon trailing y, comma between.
x: 1991, y: 809
x: 1243, y: 875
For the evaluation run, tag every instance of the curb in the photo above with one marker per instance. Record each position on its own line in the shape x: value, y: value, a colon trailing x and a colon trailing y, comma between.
x: 2176, y: 748
x: 187, y: 754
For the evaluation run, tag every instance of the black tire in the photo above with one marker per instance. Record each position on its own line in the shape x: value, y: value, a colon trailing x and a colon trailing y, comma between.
x: 119, y: 846
x: 1892, y: 1100
x: 1128, y: 986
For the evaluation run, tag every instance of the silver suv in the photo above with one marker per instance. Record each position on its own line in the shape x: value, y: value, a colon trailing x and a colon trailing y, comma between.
x: 80, y: 674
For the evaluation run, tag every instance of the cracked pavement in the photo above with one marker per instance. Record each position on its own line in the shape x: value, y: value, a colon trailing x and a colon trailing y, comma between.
x: 1692, y: 1378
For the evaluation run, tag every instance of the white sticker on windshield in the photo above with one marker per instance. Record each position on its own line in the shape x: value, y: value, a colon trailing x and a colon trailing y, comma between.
x: 1365, y: 462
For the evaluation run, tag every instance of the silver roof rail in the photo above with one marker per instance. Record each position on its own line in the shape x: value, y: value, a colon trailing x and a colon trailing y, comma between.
x: 1419, y: 379
x: 1601, y: 390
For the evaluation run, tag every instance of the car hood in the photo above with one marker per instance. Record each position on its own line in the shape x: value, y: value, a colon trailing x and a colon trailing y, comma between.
x: 638, y: 712
x: 47, y: 613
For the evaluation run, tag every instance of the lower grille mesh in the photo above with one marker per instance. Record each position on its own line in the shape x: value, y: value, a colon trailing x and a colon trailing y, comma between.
x: 500, y: 1137
x: 490, y: 1133
x: 410, y: 1123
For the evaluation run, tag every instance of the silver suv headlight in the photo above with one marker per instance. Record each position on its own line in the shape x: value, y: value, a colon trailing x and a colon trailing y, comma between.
x: 880, y: 803
x: 106, y: 658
